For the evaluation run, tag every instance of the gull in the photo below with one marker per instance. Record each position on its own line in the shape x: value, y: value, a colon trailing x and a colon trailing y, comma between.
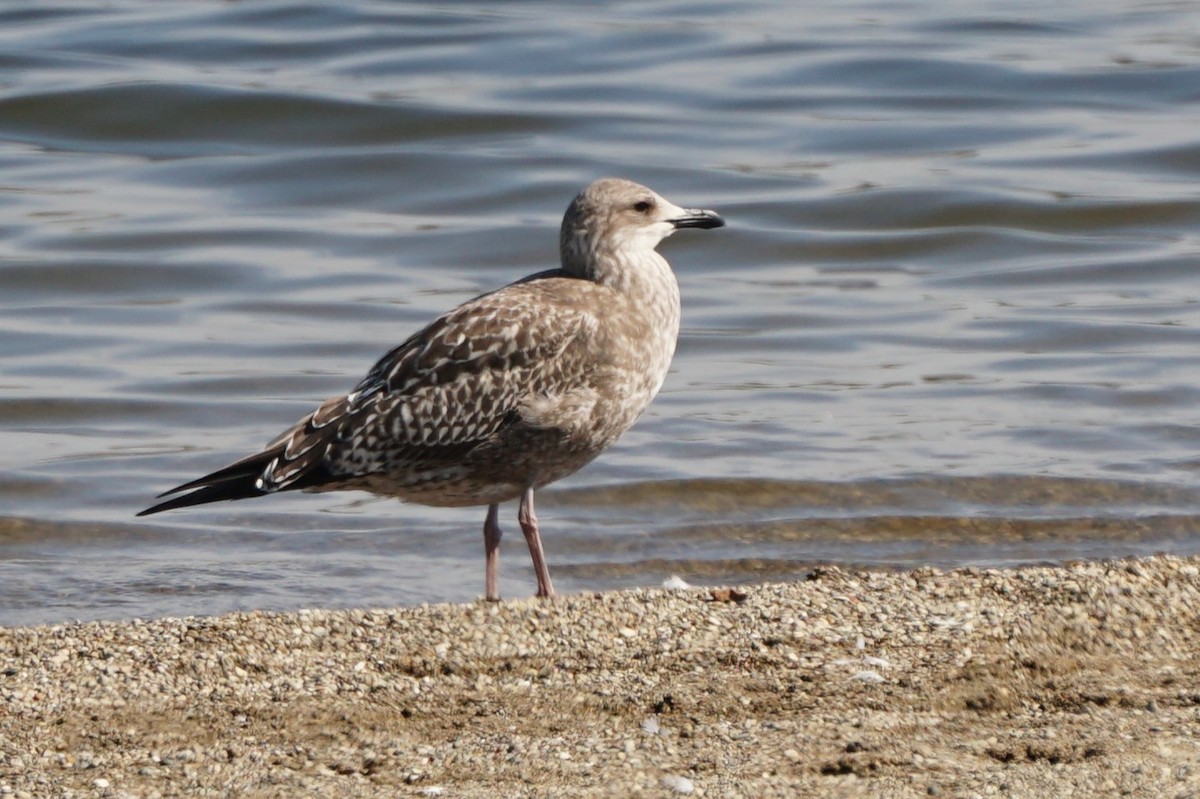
x: 504, y: 394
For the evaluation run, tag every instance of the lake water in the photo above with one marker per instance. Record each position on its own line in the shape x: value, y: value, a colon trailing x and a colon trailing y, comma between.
x: 953, y: 319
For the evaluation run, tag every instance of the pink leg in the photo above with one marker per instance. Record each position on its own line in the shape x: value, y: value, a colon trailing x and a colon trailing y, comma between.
x: 491, y: 552
x: 529, y: 527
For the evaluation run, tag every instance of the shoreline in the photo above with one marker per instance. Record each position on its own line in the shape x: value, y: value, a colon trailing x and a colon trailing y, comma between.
x: 1027, y: 682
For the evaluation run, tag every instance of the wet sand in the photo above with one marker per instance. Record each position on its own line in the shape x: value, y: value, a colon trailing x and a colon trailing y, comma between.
x: 1082, y: 680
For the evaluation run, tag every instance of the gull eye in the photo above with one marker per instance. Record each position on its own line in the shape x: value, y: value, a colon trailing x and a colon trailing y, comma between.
x: 642, y: 206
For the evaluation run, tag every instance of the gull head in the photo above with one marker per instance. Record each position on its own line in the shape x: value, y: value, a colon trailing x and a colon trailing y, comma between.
x: 618, y: 221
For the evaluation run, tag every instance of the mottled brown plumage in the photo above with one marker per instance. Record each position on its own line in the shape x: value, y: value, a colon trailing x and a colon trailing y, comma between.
x: 504, y: 394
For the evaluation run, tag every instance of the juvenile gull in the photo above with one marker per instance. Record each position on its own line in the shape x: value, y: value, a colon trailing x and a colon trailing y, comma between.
x: 504, y: 394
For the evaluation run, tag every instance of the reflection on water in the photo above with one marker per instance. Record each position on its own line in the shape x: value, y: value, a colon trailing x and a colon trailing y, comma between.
x: 953, y: 318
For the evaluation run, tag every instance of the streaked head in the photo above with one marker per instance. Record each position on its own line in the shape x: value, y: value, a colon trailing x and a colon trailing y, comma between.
x: 614, y: 217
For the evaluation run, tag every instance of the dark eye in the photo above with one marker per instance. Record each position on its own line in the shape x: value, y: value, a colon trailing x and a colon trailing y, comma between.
x: 643, y: 206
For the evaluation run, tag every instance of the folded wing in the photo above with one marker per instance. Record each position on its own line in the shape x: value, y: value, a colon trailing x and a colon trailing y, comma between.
x: 444, y: 391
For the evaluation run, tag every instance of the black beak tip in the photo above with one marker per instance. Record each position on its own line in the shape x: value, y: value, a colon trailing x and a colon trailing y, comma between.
x: 705, y: 220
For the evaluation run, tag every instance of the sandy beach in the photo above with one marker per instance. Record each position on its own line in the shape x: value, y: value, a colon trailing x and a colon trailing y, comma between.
x: 1082, y: 680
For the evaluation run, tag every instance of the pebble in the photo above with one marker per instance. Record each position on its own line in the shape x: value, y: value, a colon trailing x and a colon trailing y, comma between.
x: 868, y: 675
x: 679, y: 784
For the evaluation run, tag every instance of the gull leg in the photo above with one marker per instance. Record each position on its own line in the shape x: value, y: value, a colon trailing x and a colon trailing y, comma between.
x: 491, y: 552
x: 529, y: 527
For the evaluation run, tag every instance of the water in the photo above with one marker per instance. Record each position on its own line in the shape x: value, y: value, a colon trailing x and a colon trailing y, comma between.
x: 953, y: 319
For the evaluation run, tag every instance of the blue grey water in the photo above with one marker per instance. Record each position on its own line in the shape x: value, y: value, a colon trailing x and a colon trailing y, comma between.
x: 954, y: 318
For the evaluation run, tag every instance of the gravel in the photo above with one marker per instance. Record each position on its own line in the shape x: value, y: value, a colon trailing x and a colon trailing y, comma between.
x: 1080, y: 680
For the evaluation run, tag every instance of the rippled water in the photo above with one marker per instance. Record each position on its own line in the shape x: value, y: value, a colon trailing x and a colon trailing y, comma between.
x: 953, y: 318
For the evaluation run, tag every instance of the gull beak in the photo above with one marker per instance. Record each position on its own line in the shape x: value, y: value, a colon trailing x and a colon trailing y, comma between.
x: 696, y: 217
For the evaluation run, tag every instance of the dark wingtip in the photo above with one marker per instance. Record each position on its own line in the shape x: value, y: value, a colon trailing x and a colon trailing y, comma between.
x: 218, y: 492
x: 235, y: 481
x: 238, y: 480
